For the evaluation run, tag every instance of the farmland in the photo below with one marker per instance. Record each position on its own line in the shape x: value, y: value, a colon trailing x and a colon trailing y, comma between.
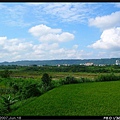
x: 89, y: 99
x: 88, y: 93
x: 56, y: 72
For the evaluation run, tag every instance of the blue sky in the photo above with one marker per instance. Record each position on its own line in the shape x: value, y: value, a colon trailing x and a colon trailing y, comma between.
x: 68, y: 30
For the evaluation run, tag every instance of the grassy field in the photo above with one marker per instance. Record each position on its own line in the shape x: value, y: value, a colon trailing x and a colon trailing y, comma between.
x: 56, y: 75
x: 86, y: 99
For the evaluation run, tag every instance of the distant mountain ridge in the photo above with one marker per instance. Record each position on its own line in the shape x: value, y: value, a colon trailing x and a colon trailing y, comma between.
x: 106, y: 61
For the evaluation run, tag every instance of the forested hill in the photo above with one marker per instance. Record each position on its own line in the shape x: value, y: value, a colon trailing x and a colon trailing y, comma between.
x: 107, y: 61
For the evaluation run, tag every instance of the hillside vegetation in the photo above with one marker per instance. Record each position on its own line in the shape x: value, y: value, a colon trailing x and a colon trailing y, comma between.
x: 87, y: 99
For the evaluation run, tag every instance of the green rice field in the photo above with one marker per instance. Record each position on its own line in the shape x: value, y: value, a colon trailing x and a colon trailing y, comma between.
x: 85, y: 99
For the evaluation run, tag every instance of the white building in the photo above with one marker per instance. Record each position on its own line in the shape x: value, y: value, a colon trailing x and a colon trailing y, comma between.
x: 58, y: 65
x: 117, y: 62
x: 88, y: 64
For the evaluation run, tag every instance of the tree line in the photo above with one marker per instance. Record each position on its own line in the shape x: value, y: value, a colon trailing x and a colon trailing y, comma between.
x: 62, y: 68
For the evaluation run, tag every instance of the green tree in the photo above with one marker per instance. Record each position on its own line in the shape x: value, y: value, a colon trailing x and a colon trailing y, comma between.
x: 46, y: 79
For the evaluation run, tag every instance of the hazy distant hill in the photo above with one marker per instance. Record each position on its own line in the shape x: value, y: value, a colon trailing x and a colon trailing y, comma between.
x: 107, y: 61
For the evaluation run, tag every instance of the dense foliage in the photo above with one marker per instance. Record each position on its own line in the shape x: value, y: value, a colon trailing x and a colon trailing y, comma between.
x: 5, y: 74
x: 7, y: 101
x: 108, y: 77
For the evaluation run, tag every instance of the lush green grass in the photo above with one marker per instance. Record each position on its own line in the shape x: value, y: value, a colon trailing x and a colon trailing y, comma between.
x: 86, y: 99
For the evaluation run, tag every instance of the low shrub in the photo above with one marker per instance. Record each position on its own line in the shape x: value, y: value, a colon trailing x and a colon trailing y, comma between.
x: 56, y: 83
x: 108, y: 77
x: 84, y: 80
x: 45, y: 88
x: 68, y: 80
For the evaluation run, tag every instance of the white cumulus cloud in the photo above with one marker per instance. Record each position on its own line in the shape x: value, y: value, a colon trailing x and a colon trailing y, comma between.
x: 47, y: 34
x: 17, y: 49
x: 40, y: 30
x: 107, y: 21
x: 109, y: 40
x: 10, y: 48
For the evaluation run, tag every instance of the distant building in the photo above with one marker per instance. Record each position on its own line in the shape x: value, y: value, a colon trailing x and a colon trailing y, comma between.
x: 58, y: 65
x: 88, y: 64
x: 66, y: 64
x: 117, y: 62
x: 81, y: 63
x: 101, y: 64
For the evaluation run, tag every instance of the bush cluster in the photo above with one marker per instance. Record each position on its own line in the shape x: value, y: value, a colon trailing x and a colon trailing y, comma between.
x: 25, y: 89
x: 84, y: 80
x: 29, y: 90
x: 68, y: 80
x: 5, y: 74
x: 108, y: 77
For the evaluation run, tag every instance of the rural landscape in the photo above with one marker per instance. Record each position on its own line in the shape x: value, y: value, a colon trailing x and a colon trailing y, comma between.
x: 64, y: 90
x: 59, y: 59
